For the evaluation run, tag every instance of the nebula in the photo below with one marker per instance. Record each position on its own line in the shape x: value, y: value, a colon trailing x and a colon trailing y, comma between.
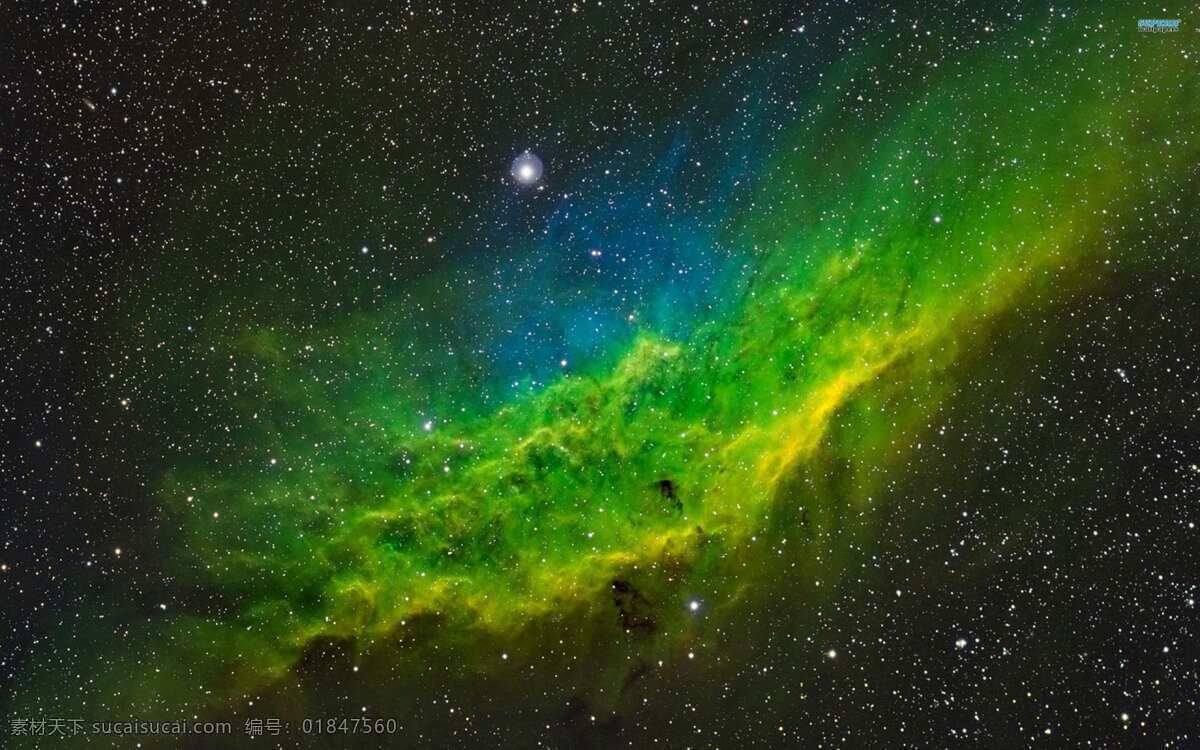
x: 692, y: 384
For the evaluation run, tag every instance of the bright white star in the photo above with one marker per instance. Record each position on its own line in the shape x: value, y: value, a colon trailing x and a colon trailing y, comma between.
x: 527, y: 168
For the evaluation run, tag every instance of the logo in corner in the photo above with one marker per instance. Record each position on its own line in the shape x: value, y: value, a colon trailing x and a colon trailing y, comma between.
x: 1158, y: 25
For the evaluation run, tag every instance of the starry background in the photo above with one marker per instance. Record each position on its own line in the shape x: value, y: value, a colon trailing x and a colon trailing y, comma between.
x: 835, y: 385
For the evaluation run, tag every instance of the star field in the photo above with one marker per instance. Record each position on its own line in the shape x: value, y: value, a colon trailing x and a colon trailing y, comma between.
x: 600, y: 374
